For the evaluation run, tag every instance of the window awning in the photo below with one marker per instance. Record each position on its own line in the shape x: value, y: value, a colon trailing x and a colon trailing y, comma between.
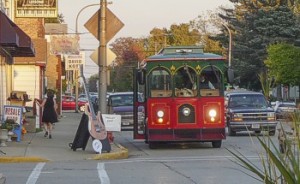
x: 15, y: 41
x: 8, y: 35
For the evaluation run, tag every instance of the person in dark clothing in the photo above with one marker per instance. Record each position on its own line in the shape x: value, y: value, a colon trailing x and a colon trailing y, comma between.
x: 49, y: 113
x: 205, y: 83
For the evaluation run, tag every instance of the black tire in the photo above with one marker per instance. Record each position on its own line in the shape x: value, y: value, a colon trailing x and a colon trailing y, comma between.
x: 272, y: 133
x: 282, y: 147
x: 216, y: 144
x: 257, y: 131
x: 231, y: 132
x: 152, y: 145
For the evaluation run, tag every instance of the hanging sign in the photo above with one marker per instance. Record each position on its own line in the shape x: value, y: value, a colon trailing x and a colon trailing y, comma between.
x: 64, y: 44
x: 73, y: 62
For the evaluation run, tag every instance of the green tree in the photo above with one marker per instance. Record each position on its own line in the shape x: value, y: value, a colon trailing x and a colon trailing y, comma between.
x: 283, y: 63
x: 257, y: 24
x: 60, y: 19
x: 209, y: 24
x: 181, y: 34
x: 129, y: 52
x: 93, y: 83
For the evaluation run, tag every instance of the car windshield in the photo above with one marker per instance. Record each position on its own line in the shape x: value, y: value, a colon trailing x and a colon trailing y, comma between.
x: 246, y: 101
x: 122, y: 100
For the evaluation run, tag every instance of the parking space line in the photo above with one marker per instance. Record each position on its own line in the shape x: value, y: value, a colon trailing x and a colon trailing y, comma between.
x: 102, y: 174
x: 35, y: 173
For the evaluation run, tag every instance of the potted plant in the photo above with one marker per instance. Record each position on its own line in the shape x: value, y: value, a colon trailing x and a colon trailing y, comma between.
x: 3, y: 134
x: 10, y: 124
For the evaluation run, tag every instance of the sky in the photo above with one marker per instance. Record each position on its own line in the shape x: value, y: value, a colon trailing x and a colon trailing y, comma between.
x: 139, y: 18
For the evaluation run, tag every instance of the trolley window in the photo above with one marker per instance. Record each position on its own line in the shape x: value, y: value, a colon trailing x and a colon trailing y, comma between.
x: 160, y: 83
x: 185, y: 80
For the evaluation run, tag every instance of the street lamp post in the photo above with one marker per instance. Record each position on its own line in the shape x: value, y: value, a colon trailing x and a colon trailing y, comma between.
x: 76, y: 71
x: 230, y: 44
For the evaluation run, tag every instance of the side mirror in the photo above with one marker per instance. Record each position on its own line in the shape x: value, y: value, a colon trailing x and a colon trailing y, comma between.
x: 141, y: 77
x: 230, y: 75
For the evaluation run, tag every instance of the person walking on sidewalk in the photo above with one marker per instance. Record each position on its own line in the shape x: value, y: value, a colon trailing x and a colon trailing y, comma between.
x: 49, y: 113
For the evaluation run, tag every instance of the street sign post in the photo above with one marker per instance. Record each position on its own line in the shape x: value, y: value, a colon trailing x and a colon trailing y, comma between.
x: 103, y: 25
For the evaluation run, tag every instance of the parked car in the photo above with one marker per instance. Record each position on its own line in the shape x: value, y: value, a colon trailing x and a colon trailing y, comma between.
x: 283, y: 110
x: 69, y: 103
x: 249, y: 111
x: 122, y: 103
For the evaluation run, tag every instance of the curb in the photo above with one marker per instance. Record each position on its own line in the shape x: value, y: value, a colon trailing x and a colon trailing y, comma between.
x: 17, y: 159
x: 121, y: 153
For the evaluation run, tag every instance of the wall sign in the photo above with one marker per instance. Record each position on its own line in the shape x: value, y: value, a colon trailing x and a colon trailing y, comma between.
x: 36, y: 8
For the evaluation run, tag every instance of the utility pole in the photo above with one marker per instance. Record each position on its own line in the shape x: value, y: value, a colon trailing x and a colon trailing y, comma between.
x: 102, y: 57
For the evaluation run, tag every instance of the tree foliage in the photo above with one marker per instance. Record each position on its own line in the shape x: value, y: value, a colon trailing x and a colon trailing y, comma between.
x: 129, y: 52
x: 93, y: 83
x: 60, y: 19
x: 181, y: 34
x: 284, y: 63
x: 257, y: 24
x: 209, y: 24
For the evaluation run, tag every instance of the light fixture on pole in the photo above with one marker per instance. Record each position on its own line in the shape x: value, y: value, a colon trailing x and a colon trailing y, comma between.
x: 230, y: 45
x: 76, y: 71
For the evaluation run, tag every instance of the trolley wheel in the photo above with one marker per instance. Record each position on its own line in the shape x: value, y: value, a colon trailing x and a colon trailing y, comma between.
x: 152, y: 145
x: 216, y: 144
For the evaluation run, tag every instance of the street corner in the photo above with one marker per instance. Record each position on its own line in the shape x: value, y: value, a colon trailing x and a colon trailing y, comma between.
x: 18, y: 159
x: 117, y: 152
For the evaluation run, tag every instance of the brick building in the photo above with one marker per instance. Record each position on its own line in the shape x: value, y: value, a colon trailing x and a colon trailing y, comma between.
x: 32, y: 74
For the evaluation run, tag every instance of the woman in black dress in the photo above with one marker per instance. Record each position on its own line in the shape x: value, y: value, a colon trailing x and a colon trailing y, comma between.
x: 49, y: 113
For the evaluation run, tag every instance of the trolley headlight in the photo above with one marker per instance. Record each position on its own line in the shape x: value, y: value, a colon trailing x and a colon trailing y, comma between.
x: 186, y: 111
x: 212, y: 114
x: 160, y: 115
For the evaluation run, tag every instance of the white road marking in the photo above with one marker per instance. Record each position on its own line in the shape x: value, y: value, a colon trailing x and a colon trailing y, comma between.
x: 35, y: 173
x: 102, y: 174
x: 183, y: 159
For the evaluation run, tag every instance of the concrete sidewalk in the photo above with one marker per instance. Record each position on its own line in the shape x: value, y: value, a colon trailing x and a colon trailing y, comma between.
x: 34, y: 147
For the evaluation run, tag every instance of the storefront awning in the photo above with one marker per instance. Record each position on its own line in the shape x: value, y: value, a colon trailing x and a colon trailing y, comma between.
x: 13, y: 39
x: 8, y: 35
x: 25, y: 48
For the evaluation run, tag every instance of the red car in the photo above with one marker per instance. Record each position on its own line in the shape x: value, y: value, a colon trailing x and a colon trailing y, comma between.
x: 68, y: 103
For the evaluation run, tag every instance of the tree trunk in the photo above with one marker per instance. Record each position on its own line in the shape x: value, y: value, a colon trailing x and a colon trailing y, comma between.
x: 279, y: 93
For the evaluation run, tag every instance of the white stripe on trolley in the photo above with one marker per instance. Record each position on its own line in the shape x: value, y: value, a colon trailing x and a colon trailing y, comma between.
x: 102, y: 174
x: 35, y: 173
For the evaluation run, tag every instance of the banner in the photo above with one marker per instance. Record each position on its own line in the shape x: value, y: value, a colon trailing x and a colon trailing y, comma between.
x: 64, y: 44
x: 36, y: 8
